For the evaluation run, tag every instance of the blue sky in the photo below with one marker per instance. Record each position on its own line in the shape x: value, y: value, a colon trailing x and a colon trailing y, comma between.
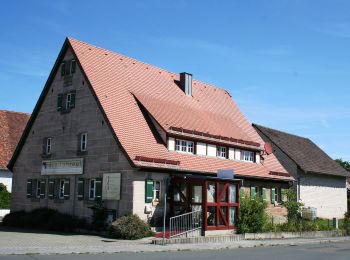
x: 286, y: 63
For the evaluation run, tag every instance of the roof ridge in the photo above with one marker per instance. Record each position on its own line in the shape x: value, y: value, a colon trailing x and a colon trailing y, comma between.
x: 16, y: 112
x: 148, y: 65
x: 283, y: 132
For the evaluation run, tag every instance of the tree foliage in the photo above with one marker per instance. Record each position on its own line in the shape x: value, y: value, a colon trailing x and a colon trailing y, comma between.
x: 5, y: 197
x: 343, y: 163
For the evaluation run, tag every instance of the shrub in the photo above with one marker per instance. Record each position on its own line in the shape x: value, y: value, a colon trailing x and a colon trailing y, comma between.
x: 346, y: 223
x: 293, y: 207
x: 44, y: 219
x: 130, y: 227
x: 253, y: 217
x: 99, y: 216
x: 5, y: 197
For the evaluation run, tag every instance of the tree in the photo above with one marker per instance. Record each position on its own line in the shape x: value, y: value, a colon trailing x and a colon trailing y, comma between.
x: 5, y: 197
x: 343, y: 163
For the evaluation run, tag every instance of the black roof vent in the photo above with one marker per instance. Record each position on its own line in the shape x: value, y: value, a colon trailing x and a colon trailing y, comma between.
x: 186, y: 83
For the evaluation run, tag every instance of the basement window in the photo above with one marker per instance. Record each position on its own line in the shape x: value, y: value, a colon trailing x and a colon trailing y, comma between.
x: 184, y: 146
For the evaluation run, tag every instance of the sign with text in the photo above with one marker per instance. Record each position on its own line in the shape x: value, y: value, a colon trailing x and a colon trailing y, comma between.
x: 65, y: 166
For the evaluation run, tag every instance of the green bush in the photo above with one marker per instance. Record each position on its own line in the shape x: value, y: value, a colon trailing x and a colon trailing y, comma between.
x: 346, y: 222
x: 253, y: 216
x: 293, y: 207
x: 130, y: 227
x: 99, y: 216
x: 5, y: 197
x: 44, y: 219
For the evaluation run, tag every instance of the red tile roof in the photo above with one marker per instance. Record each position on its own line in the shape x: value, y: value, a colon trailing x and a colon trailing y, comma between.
x: 11, y: 128
x: 119, y: 82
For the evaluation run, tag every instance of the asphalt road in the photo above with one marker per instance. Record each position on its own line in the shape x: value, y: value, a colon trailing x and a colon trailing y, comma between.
x: 333, y: 251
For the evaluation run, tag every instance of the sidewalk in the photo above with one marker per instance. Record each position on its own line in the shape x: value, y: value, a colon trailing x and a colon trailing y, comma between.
x: 25, y: 242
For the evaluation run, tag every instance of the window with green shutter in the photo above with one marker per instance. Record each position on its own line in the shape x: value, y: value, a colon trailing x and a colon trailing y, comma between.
x: 73, y: 66
x: 51, y: 192
x: 98, y: 192
x: 252, y: 193
x: 63, y: 68
x: 283, y: 192
x: 66, y: 189
x: 148, y: 191
x: 72, y: 100
x: 42, y: 189
x: 273, y: 194
x: 59, y: 102
x: 29, y: 188
x: 80, y: 189
x: 264, y: 194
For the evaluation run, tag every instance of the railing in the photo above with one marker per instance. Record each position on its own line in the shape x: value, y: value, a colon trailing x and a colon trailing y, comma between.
x: 185, y: 225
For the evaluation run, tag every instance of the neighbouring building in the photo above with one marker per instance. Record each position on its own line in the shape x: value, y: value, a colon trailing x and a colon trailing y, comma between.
x: 320, y: 181
x: 112, y: 128
x: 11, y: 128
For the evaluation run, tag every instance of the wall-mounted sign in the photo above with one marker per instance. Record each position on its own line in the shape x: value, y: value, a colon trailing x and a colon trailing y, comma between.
x: 66, y: 166
x: 111, y: 186
x: 226, y: 174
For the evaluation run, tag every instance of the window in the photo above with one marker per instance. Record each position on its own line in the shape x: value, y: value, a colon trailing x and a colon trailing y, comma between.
x: 254, y: 192
x: 63, y: 189
x: 95, y: 189
x: 221, y: 152
x: 73, y: 66
x: 92, y: 189
x: 247, y: 156
x: 68, y: 100
x: 63, y: 68
x: 184, y: 146
x: 156, y: 190
x: 47, y: 145
x: 38, y: 190
x: 83, y: 142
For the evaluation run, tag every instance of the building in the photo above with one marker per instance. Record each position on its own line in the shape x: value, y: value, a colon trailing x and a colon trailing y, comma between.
x: 110, y: 127
x: 11, y: 128
x: 320, y: 181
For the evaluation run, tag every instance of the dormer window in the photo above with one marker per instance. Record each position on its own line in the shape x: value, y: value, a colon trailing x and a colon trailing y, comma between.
x: 221, y: 151
x: 184, y: 146
x: 247, y: 156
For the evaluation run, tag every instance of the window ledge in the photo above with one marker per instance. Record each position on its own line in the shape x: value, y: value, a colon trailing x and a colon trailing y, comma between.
x: 46, y: 156
x: 82, y: 153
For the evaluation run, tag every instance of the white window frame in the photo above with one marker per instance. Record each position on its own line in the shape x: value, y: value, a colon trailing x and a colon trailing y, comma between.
x: 184, y: 146
x: 278, y: 194
x: 92, y: 189
x: 247, y: 156
x: 48, y: 147
x: 68, y: 100
x: 156, y: 192
x: 61, y: 189
x: 83, y: 142
x: 38, y: 189
x: 221, y: 152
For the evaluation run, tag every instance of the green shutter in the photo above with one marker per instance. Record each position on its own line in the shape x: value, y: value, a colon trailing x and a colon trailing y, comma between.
x: 80, y: 189
x: 42, y: 189
x: 264, y: 194
x: 98, y: 191
x: 273, y: 191
x: 283, y: 192
x: 29, y: 188
x: 59, y: 102
x: 72, y: 102
x: 241, y: 192
x: 51, y: 189
x: 148, y: 191
x: 252, y: 193
x: 66, y: 190
x: 72, y: 66
x: 63, y: 68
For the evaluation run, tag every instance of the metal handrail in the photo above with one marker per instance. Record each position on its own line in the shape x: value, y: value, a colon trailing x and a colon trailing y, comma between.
x: 183, y: 225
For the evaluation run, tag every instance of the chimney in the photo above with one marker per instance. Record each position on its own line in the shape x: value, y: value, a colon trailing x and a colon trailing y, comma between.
x: 186, y: 83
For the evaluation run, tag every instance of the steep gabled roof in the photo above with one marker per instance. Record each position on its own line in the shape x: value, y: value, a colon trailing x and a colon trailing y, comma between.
x: 11, y: 128
x: 125, y: 88
x: 306, y: 154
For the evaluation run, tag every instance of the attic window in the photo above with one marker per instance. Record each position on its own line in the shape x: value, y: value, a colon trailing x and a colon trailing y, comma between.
x: 247, y: 156
x: 68, y: 67
x: 184, y: 146
x: 221, y: 151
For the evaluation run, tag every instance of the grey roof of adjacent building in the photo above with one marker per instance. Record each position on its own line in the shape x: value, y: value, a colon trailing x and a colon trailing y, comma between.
x: 306, y: 154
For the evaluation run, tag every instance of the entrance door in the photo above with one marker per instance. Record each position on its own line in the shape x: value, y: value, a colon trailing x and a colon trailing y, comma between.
x: 187, y: 196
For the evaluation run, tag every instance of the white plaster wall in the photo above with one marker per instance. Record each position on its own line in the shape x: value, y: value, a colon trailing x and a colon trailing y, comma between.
x: 257, y: 158
x: 6, y: 178
x: 171, y: 144
x: 201, y: 148
x: 326, y: 193
x: 231, y: 153
x: 237, y: 154
x: 211, y: 150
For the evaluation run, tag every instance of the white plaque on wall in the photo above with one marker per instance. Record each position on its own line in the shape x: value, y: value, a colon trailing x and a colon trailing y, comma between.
x: 111, y: 186
x: 65, y: 166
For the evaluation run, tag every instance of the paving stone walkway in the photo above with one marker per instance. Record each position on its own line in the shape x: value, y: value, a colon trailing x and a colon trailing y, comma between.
x: 26, y: 242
